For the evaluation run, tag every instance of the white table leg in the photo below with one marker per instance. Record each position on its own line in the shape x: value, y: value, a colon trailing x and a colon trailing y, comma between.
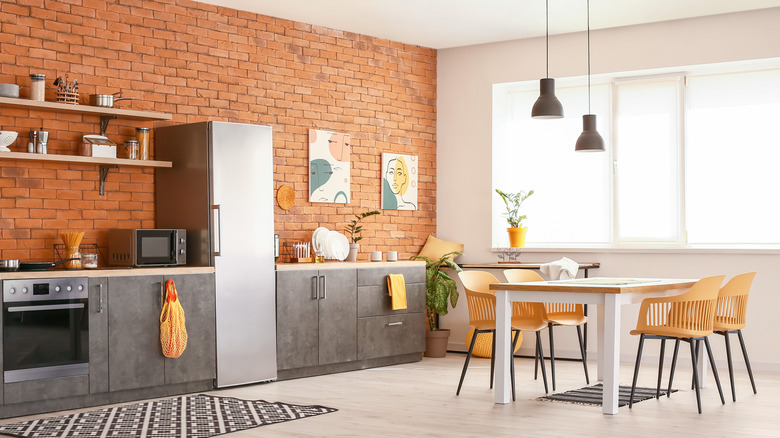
x: 611, y: 354
x: 503, y: 335
x: 600, y: 343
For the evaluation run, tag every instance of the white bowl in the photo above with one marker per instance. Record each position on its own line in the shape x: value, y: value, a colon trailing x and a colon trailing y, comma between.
x: 6, y: 139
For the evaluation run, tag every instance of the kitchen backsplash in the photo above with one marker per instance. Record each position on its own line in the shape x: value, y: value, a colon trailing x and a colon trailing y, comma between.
x: 200, y: 62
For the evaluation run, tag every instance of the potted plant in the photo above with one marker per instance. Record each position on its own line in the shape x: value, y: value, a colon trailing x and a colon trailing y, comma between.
x: 439, y: 290
x: 513, y: 201
x: 354, y: 229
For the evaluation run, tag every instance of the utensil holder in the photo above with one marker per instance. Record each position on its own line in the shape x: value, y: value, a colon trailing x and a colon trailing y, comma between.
x: 68, y: 97
x: 288, y: 251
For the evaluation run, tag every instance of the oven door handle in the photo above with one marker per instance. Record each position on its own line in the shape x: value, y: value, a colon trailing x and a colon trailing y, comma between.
x: 46, y: 307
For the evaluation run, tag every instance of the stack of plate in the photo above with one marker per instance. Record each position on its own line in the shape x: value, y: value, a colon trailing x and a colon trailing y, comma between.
x: 331, y: 244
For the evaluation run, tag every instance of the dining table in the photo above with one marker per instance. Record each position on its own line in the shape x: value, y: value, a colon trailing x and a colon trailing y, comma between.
x: 609, y: 294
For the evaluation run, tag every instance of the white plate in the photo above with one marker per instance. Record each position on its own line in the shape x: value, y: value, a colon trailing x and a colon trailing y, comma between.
x: 317, y: 238
x: 339, y: 245
x: 325, y: 245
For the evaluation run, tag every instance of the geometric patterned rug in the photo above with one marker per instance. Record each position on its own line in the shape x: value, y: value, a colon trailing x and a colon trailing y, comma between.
x: 191, y: 416
x: 591, y: 395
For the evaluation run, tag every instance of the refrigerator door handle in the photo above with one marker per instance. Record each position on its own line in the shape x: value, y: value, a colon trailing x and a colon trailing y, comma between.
x: 216, y: 222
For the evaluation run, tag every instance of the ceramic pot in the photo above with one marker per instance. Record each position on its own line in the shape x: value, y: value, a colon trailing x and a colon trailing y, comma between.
x: 353, y: 252
x: 436, y: 342
x: 517, y: 237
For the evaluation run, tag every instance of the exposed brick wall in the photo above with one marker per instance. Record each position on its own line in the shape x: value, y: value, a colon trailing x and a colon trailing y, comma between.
x: 200, y: 62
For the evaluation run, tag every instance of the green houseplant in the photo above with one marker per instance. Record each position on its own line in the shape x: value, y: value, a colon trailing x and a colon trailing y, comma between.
x: 440, y: 290
x: 354, y: 228
x: 512, y: 202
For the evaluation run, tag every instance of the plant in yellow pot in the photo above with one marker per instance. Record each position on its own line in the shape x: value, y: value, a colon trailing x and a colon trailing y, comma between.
x: 513, y: 201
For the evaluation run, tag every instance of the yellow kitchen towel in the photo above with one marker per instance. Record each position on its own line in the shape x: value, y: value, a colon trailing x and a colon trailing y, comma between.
x: 397, y: 287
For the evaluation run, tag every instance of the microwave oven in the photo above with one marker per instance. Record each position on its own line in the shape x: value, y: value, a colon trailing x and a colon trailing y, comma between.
x: 147, y: 247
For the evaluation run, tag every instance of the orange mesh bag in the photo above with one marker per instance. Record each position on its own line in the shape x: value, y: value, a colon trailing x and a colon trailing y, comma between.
x: 173, y: 334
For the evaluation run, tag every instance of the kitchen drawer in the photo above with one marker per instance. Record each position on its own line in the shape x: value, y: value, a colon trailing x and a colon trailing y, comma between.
x: 383, y: 336
x: 376, y: 300
x: 378, y: 276
x: 46, y: 389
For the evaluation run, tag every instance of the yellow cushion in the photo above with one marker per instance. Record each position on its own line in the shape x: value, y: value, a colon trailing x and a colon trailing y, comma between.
x: 435, y: 248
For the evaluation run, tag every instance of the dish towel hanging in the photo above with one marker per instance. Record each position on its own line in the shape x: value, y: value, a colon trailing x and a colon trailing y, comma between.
x: 397, y: 288
x: 562, y: 269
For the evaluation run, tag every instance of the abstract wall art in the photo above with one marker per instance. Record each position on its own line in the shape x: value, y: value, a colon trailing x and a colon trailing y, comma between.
x: 329, y: 162
x: 399, y: 182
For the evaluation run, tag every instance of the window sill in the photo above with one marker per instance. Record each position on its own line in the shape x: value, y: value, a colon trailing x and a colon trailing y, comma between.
x: 646, y: 249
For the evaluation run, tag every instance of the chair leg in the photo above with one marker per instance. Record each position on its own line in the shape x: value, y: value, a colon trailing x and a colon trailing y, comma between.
x: 695, y: 374
x: 552, y: 354
x: 536, y: 361
x: 492, y: 356
x: 731, y: 365
x: 584, y: 355
x: 660, y: 369
x: 636, y: 370
x: 714, y: 369
x: 512, y: 361
x: 698, y: 349
x: 541, y: 355
x: 747, y: 361
x: 466, y: 363
x: 674, y: 365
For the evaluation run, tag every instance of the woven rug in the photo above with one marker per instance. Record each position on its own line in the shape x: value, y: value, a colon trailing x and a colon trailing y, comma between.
x: 591, y: 395
x: 191, y: 416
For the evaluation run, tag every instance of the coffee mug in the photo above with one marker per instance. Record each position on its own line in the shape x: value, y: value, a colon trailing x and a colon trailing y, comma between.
x: 392, y: 256
x: 376, y: 256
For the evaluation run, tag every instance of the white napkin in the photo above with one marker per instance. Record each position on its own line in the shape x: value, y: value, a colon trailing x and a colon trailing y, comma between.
x: 562, y: 269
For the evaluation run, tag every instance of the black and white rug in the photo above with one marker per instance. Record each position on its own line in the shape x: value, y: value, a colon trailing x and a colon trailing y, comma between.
x: 591, y: 395
x: 190, y: 416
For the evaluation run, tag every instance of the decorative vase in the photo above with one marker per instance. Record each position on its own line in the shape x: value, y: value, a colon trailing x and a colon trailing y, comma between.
x: 517, y: 237
x: 353, y: 252
x: 436, y: 342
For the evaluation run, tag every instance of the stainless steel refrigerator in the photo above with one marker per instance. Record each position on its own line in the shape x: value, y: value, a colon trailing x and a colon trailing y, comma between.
x: 220, y: 189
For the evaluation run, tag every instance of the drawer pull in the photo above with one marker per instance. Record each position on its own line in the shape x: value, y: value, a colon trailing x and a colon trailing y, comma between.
x: 395, y: 323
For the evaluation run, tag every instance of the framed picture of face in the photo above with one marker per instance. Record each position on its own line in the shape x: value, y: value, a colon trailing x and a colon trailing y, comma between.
x: 329, y: 162
x: 399, y: 181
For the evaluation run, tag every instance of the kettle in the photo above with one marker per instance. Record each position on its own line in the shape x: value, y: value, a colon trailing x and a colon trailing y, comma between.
x: 38, y: 141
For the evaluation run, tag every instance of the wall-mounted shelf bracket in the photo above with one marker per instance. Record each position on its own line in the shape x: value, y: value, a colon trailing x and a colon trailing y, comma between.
x: 103, y: 175
x: 104, y: 124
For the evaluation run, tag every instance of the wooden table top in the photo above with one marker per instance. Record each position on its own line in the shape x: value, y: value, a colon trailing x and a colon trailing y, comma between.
x: 520, y: 265
x: 602, y: 285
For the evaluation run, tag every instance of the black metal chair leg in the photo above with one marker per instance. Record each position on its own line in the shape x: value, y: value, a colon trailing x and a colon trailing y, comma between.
x: 492, y: 356
x: 731, y: 365
x: 698, y: 349
x: 536, y: 361
x: 714, y: 369
x: 695, y: 374
x: 636, y: 370
x: 552, y: 354
x: 466, y: 363
x: 660, y: 369
x: 674, y: 365
x: 747, y: 361
x: 584, y: 355
x: 541, y: 355
x: 512, y: 360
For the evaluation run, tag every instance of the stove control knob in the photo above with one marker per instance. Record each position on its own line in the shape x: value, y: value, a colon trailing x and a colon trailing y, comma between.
x: 12, y: 290
x: 81, y: 287
x: 56, y: 288
x: 24, y: 290
x: 69, y: 288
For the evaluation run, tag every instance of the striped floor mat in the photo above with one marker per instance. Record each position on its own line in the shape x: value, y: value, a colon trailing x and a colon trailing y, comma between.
x: 591, y: 395
x: 190, y: 416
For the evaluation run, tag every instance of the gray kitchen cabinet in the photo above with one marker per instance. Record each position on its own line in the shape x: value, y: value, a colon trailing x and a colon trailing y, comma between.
x: 197, y: 295
x: 98, y: 335
x: 316, y: 314
x: 135, y: 358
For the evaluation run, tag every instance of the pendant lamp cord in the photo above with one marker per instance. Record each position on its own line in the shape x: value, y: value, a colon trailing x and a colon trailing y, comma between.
x: 547, y: 35
x: 588, y: 5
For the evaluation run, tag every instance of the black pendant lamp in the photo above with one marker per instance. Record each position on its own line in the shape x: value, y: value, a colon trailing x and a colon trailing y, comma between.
x: 589, y: 140
x: 547, y: 106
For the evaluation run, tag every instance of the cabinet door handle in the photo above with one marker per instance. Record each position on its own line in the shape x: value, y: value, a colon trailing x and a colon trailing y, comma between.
x: 101, y: 298
x: 315, y: 287
x: 395, y: 323
x: 324, y: 291
x: 162, y: 294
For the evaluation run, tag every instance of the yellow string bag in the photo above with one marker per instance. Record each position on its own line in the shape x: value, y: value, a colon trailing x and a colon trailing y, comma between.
x: 173, y: 334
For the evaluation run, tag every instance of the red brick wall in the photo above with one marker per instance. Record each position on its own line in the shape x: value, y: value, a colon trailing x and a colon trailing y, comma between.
x: 200, y: 62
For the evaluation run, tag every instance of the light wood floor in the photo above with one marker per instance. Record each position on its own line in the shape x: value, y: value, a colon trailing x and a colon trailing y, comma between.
x: 418, y: 399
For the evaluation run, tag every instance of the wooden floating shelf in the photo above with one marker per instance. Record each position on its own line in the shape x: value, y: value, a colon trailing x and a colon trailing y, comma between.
x: 10, y: 102
x: 80, y: 159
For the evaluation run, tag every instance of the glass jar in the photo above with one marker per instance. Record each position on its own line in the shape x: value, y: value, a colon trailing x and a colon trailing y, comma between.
x: 72, y: 252
x: 131, y: 149
x: 89, y: 260
x: 142, y: 135
x: 38, y: 87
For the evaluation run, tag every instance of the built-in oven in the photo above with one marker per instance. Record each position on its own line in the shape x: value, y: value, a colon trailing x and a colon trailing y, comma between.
x: 45, y: 329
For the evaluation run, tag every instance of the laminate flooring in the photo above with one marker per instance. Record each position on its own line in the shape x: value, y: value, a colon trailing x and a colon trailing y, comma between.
x: 418, y: 400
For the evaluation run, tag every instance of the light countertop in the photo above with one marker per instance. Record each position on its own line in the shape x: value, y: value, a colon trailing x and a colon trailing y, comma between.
x: 106, y: 272
x: 347, y: 265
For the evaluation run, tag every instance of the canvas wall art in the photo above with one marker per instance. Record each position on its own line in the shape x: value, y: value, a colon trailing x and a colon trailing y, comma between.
x: 399, y: 182
x: 329, y: 162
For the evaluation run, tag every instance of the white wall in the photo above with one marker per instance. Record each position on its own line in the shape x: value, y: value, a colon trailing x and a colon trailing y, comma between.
x: 465, y: 78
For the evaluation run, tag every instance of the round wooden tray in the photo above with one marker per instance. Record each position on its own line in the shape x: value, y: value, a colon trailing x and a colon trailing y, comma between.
x: 285, y: 197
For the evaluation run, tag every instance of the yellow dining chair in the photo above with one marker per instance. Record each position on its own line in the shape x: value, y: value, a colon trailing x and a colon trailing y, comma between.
x: 566, y: 314
x: 687, y: 317
x: 730, y: 317
x: 482, y: 318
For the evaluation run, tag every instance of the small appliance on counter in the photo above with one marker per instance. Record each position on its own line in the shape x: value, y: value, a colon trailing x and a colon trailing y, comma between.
x: 147, y: 247
x: 94, y: 145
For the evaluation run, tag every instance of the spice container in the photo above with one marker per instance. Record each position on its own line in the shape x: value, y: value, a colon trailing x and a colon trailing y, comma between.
x: 38, y: 87
x: 142, y: 135
x: 131, y: 149
x: 89, y: 260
